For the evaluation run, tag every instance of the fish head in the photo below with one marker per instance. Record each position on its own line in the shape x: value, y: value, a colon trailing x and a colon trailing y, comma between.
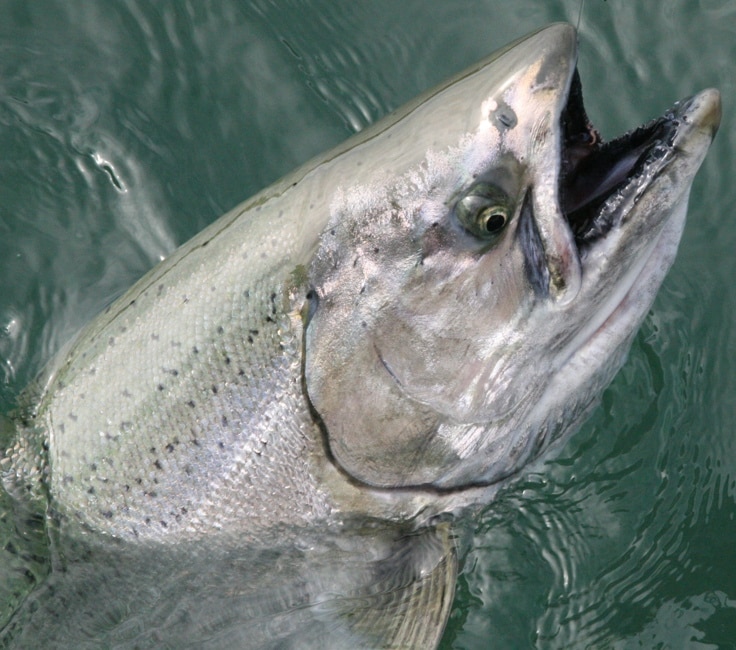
x: 479, y: 286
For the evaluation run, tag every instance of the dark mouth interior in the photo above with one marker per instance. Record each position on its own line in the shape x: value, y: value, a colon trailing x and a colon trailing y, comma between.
x: 592, y: 170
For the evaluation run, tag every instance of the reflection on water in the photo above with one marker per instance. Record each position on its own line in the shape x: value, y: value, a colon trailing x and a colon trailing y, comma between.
x: 125, y: 128
x: 629, y: 526
x: 24, y: 553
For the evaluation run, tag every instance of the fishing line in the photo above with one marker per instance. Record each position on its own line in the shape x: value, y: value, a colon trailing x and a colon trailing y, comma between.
x: 580, y: 15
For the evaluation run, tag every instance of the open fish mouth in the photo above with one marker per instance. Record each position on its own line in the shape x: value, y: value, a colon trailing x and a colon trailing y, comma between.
x: 625, y: 202
x: 595, y: 176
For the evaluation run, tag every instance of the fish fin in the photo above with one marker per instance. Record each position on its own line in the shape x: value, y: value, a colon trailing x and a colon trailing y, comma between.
x: 409, y: 603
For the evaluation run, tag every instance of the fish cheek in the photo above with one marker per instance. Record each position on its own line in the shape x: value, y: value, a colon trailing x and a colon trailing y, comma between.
x: 373, y: 430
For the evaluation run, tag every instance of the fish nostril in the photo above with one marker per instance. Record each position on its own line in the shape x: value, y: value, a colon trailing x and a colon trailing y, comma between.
x: 310, y: 306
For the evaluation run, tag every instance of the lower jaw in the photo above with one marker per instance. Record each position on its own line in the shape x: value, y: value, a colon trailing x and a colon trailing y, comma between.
x: 596, y: 355
x: 621, y: 315
x: 643, y: 290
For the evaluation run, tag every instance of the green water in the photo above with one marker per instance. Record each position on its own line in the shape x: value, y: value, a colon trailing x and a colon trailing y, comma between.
x: 125, y: 127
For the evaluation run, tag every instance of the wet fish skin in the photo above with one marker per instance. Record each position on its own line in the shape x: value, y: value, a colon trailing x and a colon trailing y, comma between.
x: 347, y: 356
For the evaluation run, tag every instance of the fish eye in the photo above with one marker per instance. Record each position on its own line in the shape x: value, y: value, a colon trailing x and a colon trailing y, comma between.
x: 483, y: 211
x: 493, y: 219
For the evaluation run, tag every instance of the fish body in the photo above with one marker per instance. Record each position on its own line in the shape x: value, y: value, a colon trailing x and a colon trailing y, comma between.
x: 275, y: 425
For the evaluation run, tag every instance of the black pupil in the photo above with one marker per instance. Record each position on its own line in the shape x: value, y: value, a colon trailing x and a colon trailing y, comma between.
x: 495, y: 222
